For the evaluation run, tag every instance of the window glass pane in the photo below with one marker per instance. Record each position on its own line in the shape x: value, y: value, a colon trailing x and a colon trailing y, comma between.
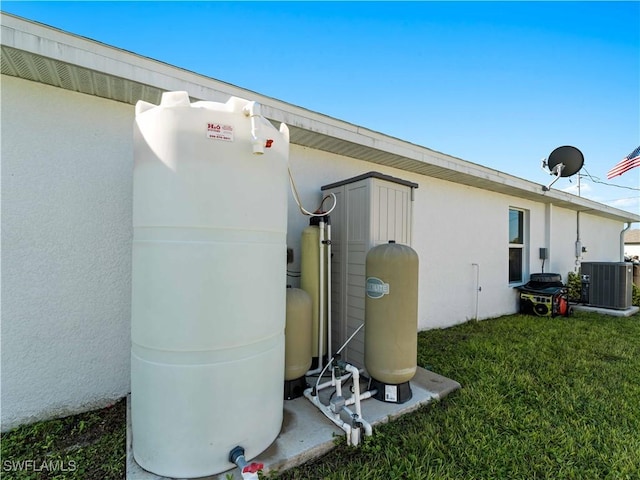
x: 516, y: 226
x: 515, y: 264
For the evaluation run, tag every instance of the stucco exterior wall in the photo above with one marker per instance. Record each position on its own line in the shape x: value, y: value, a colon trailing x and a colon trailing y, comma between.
x: 599, y: 236
x: 66, y: 238
x: 601, y: 239
x: 461, y: 236
x: 66, y: 249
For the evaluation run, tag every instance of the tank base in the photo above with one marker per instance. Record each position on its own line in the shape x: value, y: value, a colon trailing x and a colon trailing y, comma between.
x: 295, y: 388
x: 391, y: 393
x: 314, y: 362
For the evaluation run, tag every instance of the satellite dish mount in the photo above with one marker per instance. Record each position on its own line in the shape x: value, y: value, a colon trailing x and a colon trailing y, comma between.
x: 563, y: 162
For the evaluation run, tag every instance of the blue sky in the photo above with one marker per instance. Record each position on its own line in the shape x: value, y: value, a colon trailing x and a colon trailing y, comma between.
x: 500, y: 84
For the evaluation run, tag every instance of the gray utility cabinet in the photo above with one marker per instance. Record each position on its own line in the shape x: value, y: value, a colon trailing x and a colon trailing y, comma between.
x: 610, y: 283
x: 371, y: 209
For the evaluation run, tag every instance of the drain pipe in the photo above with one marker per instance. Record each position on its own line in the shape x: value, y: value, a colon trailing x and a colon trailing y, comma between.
x: 578, y: 244
x: 252, y: 110
x: 622, y: 240
x: 249, y: 471
x: 321, y: 294
x: 478, y: 287
x: 328, y: 243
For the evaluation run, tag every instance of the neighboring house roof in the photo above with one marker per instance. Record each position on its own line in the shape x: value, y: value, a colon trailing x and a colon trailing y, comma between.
x: 632, y: 237
x: 47, y: 55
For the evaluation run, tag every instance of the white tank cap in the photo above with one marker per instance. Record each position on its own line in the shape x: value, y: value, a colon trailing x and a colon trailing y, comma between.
x: 142, y: 106
x: 175, y: 99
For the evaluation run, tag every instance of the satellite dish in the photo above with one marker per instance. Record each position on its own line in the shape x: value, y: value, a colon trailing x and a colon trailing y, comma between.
x: 563, y: 162
x: 570, y: 157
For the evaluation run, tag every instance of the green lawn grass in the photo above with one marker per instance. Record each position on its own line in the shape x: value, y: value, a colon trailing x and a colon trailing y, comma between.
x: 541, y: 398
x: 88, y: 446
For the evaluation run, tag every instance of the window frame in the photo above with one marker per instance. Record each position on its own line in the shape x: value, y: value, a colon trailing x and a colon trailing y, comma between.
x: 523, y: 245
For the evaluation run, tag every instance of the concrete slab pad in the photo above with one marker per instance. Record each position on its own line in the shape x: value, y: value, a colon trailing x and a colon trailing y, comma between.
x: 627, y: 312
x: 307, y: 434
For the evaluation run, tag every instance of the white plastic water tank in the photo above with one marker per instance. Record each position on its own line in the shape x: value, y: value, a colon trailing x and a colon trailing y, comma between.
x: 208, y: 296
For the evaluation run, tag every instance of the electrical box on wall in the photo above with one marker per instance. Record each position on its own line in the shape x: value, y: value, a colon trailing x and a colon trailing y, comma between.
x: 371, y: 209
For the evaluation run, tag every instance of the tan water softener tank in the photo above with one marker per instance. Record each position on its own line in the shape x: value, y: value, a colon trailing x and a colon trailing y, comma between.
x: 391, y: 320
x: 297, y: 333
x: 310, y: 283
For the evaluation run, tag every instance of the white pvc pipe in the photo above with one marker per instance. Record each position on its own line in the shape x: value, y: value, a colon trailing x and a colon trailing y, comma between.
x: 329, y: 414
x: 358, y: 397
x: 314, y: 371
x: 253, y: 110
x: 331, y: 383
x: 324, y: 385
x: 477, y: 268
x: 353, y: 435
x: 338, y: 386
x: 363, y: 396
x: 344, y: 345
x: 368, y: 429
x: 622, y: 241
x: 321, y: 295
x: 356, y: 387
x: 328, y: 237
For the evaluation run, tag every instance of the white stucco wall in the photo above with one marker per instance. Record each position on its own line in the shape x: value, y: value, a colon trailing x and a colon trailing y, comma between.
x: 461, y: 234
x: 600, y: 237
x: 66, y: 239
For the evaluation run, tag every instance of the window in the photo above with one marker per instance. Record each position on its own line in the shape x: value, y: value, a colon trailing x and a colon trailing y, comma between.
x: 517, y: 245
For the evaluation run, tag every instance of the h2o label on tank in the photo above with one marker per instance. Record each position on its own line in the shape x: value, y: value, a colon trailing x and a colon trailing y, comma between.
x: 217, y: 131
x: 376, y: 288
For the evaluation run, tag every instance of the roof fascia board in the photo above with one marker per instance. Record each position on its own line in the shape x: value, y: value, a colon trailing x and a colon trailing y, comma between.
x: 56, y: 44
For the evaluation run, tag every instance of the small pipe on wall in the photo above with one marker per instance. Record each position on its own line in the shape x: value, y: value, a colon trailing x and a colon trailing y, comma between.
x: 622, y: 240
x: 478, y: 287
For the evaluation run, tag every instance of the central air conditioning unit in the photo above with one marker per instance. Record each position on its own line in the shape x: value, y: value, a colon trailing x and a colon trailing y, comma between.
x: 609, y: 283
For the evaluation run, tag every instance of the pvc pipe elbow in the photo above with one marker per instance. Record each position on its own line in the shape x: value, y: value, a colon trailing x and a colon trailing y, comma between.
x: 354, y: 371
x: 252, y: 110
x: 258, y: 146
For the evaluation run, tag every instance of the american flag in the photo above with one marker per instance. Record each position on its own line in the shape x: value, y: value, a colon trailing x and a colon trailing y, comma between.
x: 627, y: 163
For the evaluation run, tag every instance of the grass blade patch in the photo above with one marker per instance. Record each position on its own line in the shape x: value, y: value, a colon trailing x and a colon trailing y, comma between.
x: 541, y: 398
